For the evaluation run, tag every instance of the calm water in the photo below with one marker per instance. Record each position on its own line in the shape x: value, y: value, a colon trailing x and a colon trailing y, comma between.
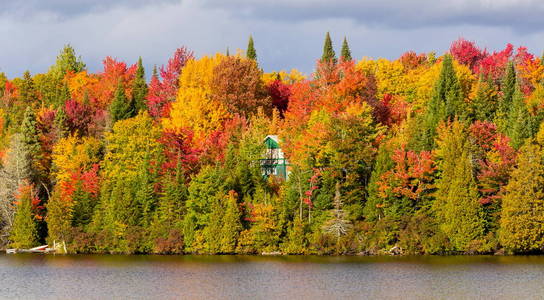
x: 239, y: 277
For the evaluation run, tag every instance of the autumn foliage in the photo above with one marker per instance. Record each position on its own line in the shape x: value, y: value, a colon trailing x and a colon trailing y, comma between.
x: 425, y: 154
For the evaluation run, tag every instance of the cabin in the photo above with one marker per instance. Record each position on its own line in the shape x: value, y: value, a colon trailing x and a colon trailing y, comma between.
x: 273, y: 161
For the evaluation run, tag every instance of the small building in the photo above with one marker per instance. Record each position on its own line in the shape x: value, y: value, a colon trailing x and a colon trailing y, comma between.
x: 274, y: 162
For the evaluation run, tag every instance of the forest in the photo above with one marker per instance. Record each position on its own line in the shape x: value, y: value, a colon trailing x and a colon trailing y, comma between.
x: 424, y: 154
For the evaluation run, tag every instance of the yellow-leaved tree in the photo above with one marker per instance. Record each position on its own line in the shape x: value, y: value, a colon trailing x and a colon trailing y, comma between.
x: 194, y: 108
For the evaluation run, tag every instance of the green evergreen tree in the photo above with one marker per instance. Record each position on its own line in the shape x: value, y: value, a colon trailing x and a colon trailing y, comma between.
x: 27, y: 91
x: 60, y: 123
x: 67, y: 61
x: 170, y: 209
x: 445, y: 104
x: 522, y: 218
x: 139, y: 88
x: 59, y: 218
x: 212, y: 231
x: 24, y: 233
x: 508, y: 88
x: 519, y: 126
x: 63, y: 95
x: 198, y: 208
x: 251, y: 53
x: 456, y: 206
x: 30, y: 132
x: 383, y: 163
x: 84, y: 205
x: 145, y: 193
x: 121, y: 108
x: 295, y: 242
x: 328, y: 50
x: 345, y: 52
x: 231, y: 225
x: 3, y: 80
x: 31, y: 143
x: 484, y: 104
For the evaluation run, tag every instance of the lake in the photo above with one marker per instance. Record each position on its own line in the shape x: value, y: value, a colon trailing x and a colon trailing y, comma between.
x: 28, y: 276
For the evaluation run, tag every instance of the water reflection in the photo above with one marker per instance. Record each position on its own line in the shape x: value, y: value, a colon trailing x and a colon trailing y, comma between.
x: 242, y: 277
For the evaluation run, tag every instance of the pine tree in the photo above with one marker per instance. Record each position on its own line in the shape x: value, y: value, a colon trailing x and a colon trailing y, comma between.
x: 522, y: 219
x: 145, y: 193
x: 484, y: 104
x: 519, y: 126
x: 121, y: 108
x: 508, y: 87
x: 30, y: 132
x: 67, y: 61
x: 231, y: 225
x: 171, y: 203
x: 456, y: 205
x: 27, y: 91
x: 31, y: 143
x: 24, y: 233
x: 345, y: 52
x: 84, y: 206
x: 445, y: 104
x: 382, y: 164
x: 214, y: 226
x: 139, y: 88
x: 328, y: 50
x: 59, y: 218
x: 251, y: 53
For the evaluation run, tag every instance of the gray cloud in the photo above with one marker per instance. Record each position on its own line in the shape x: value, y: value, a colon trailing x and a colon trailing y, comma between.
x: 515, y: 14
x: 69, y: 8
x: 154, y: 29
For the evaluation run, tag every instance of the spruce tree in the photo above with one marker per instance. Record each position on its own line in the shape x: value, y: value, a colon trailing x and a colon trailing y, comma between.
x: 484, y: 104
x: 345, y: 52
x: 24, y: 233
x: 251, y: 53
x: 67, y: 61
x: 518, y: 126
x: 59, y: 217
x: 145, y: 193
x: 62, y: 94
x: 31, y: 143
x: 30, y: 132
x: 522, y: 218
x: 231, y: 225
x: 27, y: 91
x: 214, y: 226
x: 382, y: 164
x: 456, y: 205
x: 328, y: 51
x: 84, y: 206
x: 508, y: 88
x: 446, y: 103
x: 139, y: 88
x: 121, y: 108
x: 171, y: 203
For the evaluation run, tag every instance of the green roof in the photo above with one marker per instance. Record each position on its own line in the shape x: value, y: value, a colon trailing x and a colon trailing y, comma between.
x: 271, y: 143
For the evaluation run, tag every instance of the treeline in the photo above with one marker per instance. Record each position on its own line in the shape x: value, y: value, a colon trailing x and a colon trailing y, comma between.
x: 424, y: 154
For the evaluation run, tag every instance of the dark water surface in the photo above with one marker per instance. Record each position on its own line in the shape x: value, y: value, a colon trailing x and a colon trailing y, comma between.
x: 245, y: 277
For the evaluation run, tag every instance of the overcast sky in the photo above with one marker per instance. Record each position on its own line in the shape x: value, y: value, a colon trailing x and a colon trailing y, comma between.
x: 287, y: 33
